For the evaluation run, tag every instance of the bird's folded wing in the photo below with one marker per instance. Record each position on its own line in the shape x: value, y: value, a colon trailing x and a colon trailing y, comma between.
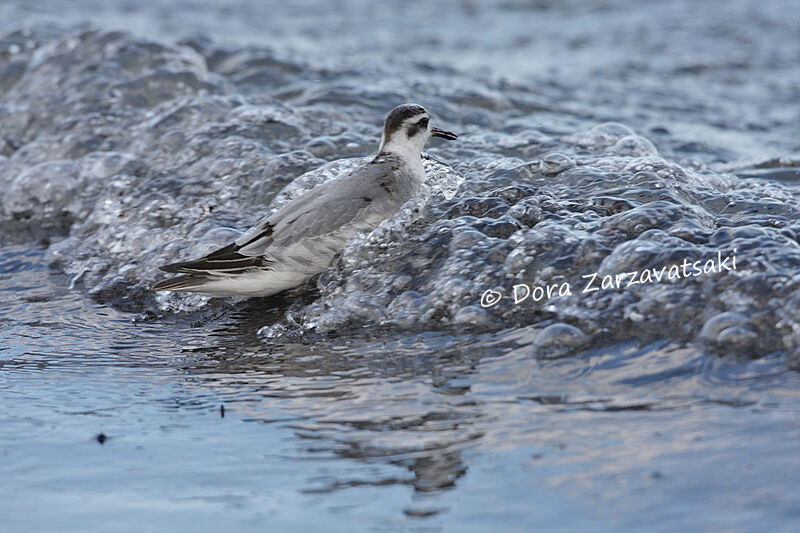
x: 348, y: 202
x: 351, y: 201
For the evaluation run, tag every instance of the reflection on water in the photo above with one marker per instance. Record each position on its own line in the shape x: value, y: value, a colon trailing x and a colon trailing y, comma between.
x: 397, y: 401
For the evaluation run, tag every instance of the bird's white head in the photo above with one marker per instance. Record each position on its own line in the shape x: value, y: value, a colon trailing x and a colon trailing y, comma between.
x: 408, y: 127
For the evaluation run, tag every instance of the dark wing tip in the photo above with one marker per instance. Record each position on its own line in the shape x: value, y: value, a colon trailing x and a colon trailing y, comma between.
x: 180, y: 283
x: 174, y: 267
x: 225, y: 258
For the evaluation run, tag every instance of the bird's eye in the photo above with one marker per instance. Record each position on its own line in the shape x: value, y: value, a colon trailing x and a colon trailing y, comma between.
x: 423, y: 123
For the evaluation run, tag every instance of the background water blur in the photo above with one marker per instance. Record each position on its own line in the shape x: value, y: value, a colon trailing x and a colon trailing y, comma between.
x: 595, y: 136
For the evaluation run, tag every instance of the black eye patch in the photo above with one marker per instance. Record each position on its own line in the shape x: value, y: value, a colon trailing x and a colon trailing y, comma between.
x: 418, y: 126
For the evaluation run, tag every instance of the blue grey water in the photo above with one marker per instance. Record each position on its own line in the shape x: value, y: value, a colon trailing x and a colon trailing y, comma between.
x: 599, y: 137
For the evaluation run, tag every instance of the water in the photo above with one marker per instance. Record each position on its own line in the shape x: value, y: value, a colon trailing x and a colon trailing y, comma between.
x: 605, y: 138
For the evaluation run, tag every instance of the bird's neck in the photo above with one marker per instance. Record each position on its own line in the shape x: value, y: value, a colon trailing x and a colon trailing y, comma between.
x: 408, y: 154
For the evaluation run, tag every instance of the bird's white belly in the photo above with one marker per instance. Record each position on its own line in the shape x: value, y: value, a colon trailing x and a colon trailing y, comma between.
x: 290, y: 267
x: 260, y: 283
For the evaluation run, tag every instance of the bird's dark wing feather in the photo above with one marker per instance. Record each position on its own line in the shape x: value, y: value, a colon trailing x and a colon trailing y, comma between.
x: 189, y: 282
x: 228, y: 259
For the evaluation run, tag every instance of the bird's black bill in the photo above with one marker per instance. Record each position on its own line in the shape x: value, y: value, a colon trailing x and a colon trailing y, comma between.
x: 449, y: 135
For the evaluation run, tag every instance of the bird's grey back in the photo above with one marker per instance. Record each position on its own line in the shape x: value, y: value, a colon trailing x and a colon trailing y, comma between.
x: 359, y: 200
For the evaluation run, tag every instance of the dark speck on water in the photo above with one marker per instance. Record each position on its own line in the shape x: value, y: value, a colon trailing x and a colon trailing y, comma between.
x: 403, y: 389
